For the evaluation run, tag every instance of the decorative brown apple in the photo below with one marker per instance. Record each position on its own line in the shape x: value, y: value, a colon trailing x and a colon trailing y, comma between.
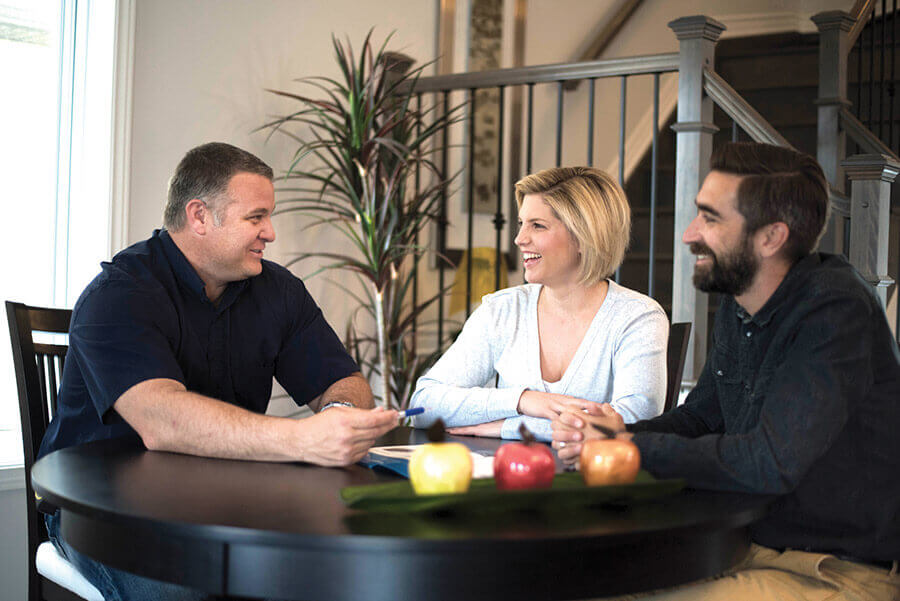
x: 609, y: 460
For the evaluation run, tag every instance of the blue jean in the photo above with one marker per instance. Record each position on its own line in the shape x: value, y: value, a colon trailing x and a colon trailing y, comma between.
x: 116, y: 585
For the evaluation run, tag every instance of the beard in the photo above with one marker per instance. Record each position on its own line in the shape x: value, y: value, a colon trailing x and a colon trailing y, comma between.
x: 731, y: 272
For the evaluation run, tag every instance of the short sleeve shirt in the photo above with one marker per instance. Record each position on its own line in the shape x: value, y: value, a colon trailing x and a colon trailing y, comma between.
x: 147, y: 316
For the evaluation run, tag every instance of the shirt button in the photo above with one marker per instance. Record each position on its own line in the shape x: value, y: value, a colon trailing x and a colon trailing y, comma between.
x: 719, y: 372
x: 749, y: 334
x: 747, y: 387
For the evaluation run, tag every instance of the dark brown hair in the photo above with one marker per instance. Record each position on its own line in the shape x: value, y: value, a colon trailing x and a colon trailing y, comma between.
x: 778, y: 185
x: 204, y: 173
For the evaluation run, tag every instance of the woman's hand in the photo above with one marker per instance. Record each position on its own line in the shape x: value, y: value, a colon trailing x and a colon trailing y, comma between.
x: 571, y: 428
x: 549, y: 405
x: 487, y: 430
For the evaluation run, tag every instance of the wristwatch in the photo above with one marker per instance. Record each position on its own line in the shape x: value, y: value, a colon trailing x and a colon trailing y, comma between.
x: 336, y: 404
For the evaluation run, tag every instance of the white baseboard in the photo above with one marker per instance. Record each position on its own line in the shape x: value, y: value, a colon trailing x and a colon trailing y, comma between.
x: 12, y: 478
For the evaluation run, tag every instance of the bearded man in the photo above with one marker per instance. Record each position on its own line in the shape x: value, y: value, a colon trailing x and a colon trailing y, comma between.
x: 799, y: 397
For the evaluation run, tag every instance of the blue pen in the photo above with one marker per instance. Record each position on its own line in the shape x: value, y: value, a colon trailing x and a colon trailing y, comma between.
x: 411, y: 412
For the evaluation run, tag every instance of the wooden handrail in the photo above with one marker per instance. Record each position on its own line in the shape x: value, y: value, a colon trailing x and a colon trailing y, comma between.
x: 740, y: 110
x: 863, y: 136
x: 654, y: 63
x: 860, y: 11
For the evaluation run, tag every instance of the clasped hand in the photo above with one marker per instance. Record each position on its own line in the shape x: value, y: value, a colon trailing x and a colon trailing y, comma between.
x: 533, y: 403
x: 572, y: 427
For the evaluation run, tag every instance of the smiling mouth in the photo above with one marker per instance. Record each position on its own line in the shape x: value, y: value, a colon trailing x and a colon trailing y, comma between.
x: 529, y: 258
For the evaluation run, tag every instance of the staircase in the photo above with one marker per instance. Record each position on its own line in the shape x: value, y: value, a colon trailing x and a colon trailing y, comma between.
x: 778, y: 75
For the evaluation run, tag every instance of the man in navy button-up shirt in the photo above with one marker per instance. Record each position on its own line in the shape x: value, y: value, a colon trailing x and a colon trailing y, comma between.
x: 799, y: 397
x: 177, y: 341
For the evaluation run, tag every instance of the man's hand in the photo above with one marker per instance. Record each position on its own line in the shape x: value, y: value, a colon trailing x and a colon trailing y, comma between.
x: 571, y: 428
x: 549, y: 405
x: 342, y: 435
x: 487, y: 430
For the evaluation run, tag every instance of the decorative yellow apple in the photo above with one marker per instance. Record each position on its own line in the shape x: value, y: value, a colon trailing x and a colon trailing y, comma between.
x: 440, y: 467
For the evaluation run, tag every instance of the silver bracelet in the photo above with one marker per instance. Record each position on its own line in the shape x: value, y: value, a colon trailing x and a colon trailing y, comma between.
x: 336, y: 404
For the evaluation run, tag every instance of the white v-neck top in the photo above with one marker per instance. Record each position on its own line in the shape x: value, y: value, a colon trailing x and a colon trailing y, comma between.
x: 621, y: 360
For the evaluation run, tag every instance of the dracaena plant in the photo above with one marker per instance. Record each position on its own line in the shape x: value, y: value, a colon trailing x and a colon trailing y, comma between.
x: 363, y: 166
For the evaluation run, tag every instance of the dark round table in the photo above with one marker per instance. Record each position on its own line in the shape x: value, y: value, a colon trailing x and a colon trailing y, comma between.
x: 280, y: 531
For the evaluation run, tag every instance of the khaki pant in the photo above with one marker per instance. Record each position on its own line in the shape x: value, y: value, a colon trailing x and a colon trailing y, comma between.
x: 767, y: 574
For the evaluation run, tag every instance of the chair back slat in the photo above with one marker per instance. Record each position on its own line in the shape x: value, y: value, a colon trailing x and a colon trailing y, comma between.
x: 42, y: 379
x: 52, y: 387
x: 679, y: 335
x: 38, y: 368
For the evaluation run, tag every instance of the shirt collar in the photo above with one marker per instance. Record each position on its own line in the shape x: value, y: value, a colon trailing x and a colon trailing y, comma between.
x: 785, y: 289
x: 187, y: 275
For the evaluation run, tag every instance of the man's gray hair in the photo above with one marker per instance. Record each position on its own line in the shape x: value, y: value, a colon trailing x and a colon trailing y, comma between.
x: 204, y: 173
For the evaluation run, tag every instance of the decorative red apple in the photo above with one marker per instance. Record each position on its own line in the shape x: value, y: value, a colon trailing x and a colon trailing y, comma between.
x: 609, y: 460
x: 526, y: 464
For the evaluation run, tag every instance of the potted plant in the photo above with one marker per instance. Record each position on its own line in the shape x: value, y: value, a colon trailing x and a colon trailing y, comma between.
x: 362, y: 165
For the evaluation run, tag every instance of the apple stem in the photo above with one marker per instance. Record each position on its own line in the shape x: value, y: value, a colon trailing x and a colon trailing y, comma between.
x: 436, y: 432
x: 608, y: 432
x: 525, y: 433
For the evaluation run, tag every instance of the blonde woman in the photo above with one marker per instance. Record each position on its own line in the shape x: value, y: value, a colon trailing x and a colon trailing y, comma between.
x: 569, y: 337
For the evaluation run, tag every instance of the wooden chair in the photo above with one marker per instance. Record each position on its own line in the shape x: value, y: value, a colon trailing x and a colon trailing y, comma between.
x: 679, y: 334
x: 39, y: 369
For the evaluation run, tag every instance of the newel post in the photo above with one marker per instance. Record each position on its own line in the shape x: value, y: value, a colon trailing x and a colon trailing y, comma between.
x: 834, y: 48
x: 697, y: 38
x: 871, y: 176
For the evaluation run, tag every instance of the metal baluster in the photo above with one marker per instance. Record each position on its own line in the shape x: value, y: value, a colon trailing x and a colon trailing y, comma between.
x: 416, y: 255
x: 559, y: 122
x: 881, y: 84
x: 871, y: 68
x: 654, y: 168
x: 442, y: 223
x: 734, y: 131
x: 530, y: 128
x: 471, y: 193
x: 590, y: 148
x: 859, y: 67
x: 499, y: 220
x: 891, y: 87
x: 621, y: 147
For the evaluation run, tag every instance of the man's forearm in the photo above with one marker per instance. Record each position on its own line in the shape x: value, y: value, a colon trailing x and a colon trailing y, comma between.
x: 169, y: 418
x: 353, y: 389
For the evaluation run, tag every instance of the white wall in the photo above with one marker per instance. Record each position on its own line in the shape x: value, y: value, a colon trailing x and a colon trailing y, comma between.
x: 13, y: 548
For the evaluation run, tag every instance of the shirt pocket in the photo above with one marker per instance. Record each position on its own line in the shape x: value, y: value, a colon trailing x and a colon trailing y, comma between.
x: 729, y: 387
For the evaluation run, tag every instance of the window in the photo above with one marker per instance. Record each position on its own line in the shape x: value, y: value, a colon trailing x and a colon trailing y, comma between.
x: 57, y: 60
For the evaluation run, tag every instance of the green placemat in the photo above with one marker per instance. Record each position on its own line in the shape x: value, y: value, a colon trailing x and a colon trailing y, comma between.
x: 568, y: 489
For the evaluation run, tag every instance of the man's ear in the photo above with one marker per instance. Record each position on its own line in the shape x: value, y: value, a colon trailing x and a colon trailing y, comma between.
x: 771, y: 238
x: 198, y: 216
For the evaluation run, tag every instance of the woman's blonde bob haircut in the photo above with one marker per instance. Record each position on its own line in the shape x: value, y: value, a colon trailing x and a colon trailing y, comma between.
x: 593, y: 208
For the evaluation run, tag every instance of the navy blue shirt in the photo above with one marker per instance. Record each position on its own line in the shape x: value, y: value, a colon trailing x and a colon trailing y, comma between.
x: 800, y: 400
x: 147, y: 316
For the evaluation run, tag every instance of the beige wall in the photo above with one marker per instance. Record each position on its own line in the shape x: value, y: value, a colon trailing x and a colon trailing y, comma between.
x: 200, y: 70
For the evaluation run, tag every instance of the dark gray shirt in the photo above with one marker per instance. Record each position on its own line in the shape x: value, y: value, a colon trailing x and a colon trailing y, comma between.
x: 800, y: 400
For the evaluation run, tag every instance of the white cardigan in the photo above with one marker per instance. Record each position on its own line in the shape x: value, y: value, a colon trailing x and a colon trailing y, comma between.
x: 621, y: 361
